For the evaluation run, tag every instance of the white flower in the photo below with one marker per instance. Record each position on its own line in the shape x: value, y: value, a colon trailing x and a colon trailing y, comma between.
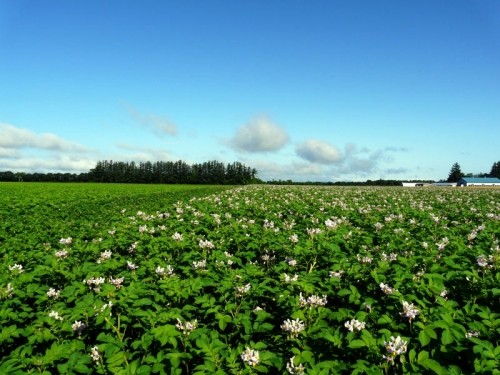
x: 241, y: 290
x: 470, y: 334
x: 9, y: 291
x: 250, y: 357
x: 168, y: 271
x: 66, y: 241
x: 386, y: 288
x: 53, y: 293
x: 312, y: 301
x: 294, y: 238
x: 293, y: 369
x: 354, y: 325
x: 103, y: 308
x: 61, y: 254
x: 186, y: 327
x: 131, y: 266
x: 395, y: 347
x: 336, y: 273
x: 205, y: 244
x: 116, y: 282
x: 94, y: 354
x: 105, y: 255
x: 313, y: 231
x: 290, y: 279
x: 485, y: 262
x: 200, y: 265
x: 78, y: 327
x: 16, y: 268
x: 291, y: 262
x: 409, y: 310
x: 55, y: 315
x: 95, y: 283
x: 177, y: 236
x: 293, y: 327
x: 132, y: 247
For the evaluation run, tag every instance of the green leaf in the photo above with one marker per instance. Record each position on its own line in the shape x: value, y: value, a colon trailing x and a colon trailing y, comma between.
x: 422, y: 356
x: 424, y: 338
x: 433, y: 365
x: 446, y: 337
x: 354, y: 344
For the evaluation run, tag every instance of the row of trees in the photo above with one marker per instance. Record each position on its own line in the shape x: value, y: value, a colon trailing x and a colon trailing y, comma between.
x: 456, y: 172
x: 179, y: 172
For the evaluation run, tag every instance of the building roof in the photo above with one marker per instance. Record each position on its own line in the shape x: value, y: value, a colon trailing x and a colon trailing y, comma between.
x: 480, y: 180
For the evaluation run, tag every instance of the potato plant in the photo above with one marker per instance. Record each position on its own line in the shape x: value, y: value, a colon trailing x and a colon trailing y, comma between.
x: 249, y: 280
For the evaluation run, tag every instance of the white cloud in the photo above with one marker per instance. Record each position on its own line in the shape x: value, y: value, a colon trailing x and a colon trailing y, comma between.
x: 269, y: 170
x: 143, y: 153
x: 317, y: 151
x: 157, y: 124
x: 16, y: 138
x: 54, y: 163
x: 260, y: 135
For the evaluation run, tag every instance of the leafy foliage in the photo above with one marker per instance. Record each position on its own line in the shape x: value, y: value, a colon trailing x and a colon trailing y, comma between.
x: 260, y: 279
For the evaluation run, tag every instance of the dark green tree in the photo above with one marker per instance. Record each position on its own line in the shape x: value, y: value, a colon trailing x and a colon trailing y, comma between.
x: 495, y: 170
x: 455, y: 173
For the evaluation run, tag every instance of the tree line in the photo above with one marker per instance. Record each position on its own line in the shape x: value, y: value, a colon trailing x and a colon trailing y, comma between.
x: 179, y: 172
x: 456, y: 172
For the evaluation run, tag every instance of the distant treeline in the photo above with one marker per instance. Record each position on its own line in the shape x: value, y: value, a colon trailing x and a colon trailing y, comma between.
x: 346, y: 183
x: 179, y: 172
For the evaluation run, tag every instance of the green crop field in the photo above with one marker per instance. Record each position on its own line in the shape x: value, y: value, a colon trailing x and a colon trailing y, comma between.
x: 186, y: 279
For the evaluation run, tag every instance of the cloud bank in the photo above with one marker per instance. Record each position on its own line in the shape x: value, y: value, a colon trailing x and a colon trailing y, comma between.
x: 316, y: 151
x: 157, y: 124
x: 260, y: 135
x: 16, y: 138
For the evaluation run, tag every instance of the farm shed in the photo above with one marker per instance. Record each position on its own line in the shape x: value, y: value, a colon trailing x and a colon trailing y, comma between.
x: 479, y: 181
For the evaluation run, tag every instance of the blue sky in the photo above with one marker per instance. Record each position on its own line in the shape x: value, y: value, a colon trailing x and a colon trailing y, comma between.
x: 320, y: 90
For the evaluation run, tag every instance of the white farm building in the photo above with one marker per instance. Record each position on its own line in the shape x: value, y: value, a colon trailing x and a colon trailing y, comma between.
x: 479, y: 181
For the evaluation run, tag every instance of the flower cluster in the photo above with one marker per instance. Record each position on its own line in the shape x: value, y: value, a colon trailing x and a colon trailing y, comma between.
x: 53, y: 293
x: 61, y: 254
x: 105, y: 255
x: 250, y: 357
x: 131, y: 266
x: 206, y: 244
x: 200, y: 265
x: 290, y: 279
x: 187, y: 327
x: 294, y: 369
x: 8, y: 291
x: 354, y: 325
x: 94, y: 354
x: 78, y: 327
x: 293, y: 327
x: 95, y: 283
x: 165, y: 271
x: 116, y: 282
x: 66, y: 241
x: 470, y: 334
x: 386, y: 288
x: 16, y: 268
x: 312, y: 301
x: 486, y: 262
x: 409, y: 310
x: 395, y: 347
x: 389, y: 258
x: 177, y: 237
x: 55, y: 315
x: 241, y: 290
x: 336, y: 273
